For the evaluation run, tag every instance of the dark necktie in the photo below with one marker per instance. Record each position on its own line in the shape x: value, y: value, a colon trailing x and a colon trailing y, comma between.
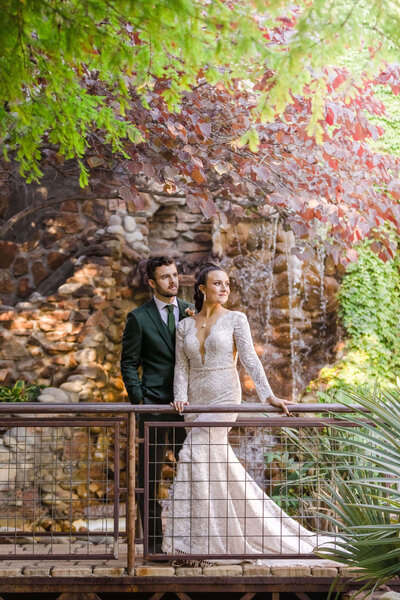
x: 171, y: 318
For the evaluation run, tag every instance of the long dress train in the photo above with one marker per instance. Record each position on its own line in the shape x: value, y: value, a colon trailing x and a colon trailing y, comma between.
x: 216, y: 507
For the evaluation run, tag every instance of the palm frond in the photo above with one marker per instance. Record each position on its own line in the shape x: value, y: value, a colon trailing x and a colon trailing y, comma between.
x: 361, y: 484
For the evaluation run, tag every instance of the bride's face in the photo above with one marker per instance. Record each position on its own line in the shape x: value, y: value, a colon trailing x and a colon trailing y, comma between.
x: 217, y: 287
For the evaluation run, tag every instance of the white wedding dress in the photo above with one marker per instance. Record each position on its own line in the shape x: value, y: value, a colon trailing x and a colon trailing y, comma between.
x: 216, y: 507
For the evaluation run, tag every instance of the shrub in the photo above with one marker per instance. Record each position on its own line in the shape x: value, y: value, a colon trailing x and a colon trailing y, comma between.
x: 20, y: 392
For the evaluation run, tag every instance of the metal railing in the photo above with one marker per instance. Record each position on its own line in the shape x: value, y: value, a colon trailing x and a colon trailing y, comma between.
x: 67, y: 474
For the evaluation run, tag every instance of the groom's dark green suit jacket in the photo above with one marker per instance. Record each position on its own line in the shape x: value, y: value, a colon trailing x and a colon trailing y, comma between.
x: 147, y: 342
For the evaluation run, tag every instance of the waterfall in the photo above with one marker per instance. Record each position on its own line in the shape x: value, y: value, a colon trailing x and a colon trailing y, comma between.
x: 257, y: 274
x: 321, y: 253
x: 294, y: 272
x: 269, y: 271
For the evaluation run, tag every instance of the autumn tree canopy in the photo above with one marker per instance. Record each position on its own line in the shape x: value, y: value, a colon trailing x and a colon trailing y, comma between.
x: 236, y: 106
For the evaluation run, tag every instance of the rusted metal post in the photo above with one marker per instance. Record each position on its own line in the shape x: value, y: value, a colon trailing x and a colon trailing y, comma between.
x: 131, y: 501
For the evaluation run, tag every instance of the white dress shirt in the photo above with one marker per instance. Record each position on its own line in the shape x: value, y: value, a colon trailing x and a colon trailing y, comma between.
x: 161, y: 305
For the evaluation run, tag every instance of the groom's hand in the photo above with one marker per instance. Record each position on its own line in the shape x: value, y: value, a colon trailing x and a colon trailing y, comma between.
x: 178, y: 405
x: 281, y: 403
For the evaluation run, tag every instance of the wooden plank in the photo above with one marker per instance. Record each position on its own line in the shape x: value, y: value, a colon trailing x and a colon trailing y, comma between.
x: 78, y: 596
x: 188, y: 585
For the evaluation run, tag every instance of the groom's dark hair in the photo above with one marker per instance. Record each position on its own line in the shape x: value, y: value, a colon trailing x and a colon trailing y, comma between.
x: 156, y: 261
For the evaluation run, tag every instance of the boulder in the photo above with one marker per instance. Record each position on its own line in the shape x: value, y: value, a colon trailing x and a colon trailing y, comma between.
x: 84, y: 290
x: 280, y: 263
x: 70, y: 206
x: 115, y: 220
x: 85, y: 356
x: 135, y: 236
x: 11, y: 349
x: 55, y: 260
x: 7, y: 285
x: 72, y: 386
x: 129, y: 224
x: 54, y: 395
x: 20, y: 266
x: 115, y: 229
x: 68, y: 288
x: 72, y: 223
x: 8, y: 251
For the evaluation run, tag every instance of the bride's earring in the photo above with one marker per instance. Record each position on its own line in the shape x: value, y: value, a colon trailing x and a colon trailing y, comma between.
x: 204, y: 299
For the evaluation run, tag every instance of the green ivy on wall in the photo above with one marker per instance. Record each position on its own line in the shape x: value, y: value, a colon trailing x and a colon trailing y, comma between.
x: 369, y: 300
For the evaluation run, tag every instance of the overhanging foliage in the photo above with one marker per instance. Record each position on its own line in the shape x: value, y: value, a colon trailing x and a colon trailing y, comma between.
x: 264, y: 119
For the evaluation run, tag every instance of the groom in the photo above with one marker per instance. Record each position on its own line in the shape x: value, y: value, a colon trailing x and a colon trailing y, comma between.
x: 149, y: 342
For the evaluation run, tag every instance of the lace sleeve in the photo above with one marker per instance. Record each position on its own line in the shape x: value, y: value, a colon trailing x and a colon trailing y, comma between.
x: 181, y: 373
x: 248, y: 357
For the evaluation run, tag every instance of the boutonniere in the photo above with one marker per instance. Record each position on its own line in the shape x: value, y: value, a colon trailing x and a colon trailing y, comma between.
x: 189, y: 312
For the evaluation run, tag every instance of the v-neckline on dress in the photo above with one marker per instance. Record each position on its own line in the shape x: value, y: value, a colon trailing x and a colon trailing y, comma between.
x: 203, y: 354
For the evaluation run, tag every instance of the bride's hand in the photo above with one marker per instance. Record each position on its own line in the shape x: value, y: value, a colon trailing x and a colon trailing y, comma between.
x: 178, y: 405
x: 281, y: 403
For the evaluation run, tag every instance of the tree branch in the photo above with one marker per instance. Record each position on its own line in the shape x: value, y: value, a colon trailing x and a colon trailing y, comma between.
x: 36, y: 207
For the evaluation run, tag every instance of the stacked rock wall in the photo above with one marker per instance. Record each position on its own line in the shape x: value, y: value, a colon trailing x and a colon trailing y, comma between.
x: 67, y: 332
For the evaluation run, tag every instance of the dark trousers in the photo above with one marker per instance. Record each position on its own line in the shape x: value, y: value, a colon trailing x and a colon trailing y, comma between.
x: 158, y: 443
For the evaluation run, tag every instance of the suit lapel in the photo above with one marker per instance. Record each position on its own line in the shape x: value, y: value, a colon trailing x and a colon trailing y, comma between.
x: 182, y: 307
x: 158, y: 322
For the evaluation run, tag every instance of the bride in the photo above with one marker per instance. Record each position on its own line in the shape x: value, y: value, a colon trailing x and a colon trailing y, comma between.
x: 216, y: 507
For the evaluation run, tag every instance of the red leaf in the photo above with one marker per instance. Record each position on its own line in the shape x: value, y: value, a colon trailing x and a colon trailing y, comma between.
x: 208, y: 208
x: 352, y: 255
x: 171, y: 129
x: 383, y: 255
x: 337, y: 81
x: 334, y: 163
x: 149, y: 170
x: 376, y: 247
x: 95, y: 161
x: 204, y: 129
x: 198, y: 176
x: 330, y: 116
x: 192, y: 202
x: 369, y: 164
x: 189, y: 149
x: 134, y: 167
x: 359, y: 133
x: 131, y: 194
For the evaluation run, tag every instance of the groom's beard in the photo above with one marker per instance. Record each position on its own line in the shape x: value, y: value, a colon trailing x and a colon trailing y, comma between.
x: 166, y: 293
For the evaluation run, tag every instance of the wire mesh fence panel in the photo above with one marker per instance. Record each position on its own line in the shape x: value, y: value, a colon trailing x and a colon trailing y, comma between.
x: 222, y: 485
x: 240, y: 490
x: 60, y: 487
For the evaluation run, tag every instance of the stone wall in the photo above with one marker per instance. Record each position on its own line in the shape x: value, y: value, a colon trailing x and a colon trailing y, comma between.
x: 68, y: 287
x: 44, y: 474
x: 67, y: 332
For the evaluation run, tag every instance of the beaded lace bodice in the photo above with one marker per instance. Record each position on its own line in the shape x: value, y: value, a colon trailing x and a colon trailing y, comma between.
x: 229, y: 333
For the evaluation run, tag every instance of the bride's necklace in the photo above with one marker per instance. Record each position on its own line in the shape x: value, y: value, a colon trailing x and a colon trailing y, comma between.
x: 205, y: 322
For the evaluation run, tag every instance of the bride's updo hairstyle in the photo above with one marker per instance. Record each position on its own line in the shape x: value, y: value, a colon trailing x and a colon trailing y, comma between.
x: 201, y: 279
